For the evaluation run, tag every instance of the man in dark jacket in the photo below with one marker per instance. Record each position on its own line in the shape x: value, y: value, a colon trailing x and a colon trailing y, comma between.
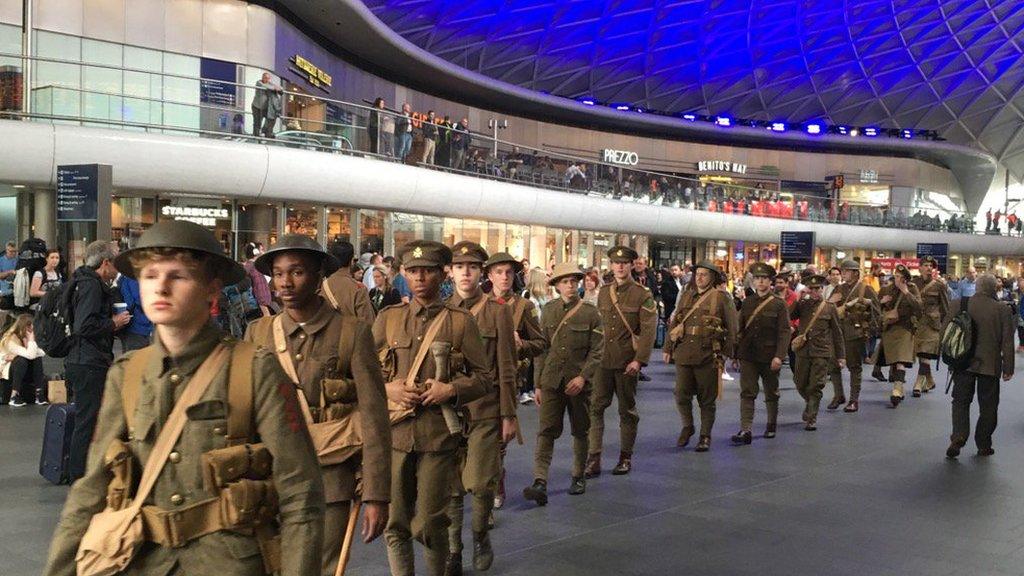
x: 993, y: 357
x: 92, y: 344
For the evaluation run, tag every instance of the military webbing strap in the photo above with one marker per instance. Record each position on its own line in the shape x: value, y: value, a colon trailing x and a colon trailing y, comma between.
x: 814, y: 317
x: 565, y: 319
x: 134, y: 368
x: 681, y: 327
x: 478, y: 307
x: 518, y: 311
x: 613, y: 294
x: 330, y: 295
x: 428, y: 339
x: 346, y: 345
x: 757, y: 311
x: 240, y: 393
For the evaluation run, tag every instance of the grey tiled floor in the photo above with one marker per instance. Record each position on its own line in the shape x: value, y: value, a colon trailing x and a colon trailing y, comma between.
x: 867, y: 494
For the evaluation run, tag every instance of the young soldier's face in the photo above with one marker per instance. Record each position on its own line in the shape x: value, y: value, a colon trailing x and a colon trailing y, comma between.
x: 296, y: 278
x: 622, y: 270
x: 424, y: 281
x: 567, y: 287
x: 834, y: 276
x: 762, y: 283
x: 849, y: 276
x: 501, y: 277
x: 466, y: 276
x: 926, y: 271
x: 174, y: 293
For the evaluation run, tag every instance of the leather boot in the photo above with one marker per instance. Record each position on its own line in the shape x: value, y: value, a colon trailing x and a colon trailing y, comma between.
x: 578, y: 486
x: 538, y: 492
x: 773, y: 417
x: 400, y: 559
x: 499, y: 494
x: 742, y: 437
x: 453, y: 566
x: 836, y: 402
x: 929, y: 384
x: 812, y: 424
x: 877, y: 373
x: 684, y: 436
x: 769, y: 430
x: 704, y: 444
x: 853, y: 406
x: 919, y: 385
x: 483, y: 554
x: 593, y: 468
x: 625, y: 464
x: 897, y: 394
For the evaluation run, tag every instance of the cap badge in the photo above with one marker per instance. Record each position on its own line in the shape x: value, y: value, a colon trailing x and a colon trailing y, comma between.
x: 619, y: 252
x: 465, y: 249
x: 417, y: 252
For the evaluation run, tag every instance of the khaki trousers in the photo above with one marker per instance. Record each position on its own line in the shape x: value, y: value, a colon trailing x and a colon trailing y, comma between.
x: 608, y: 382
x: 553, y: 407
x: 477, y: 473
x: 702, y: 382
x: 750, y: 374
x: 420, y: 494
x: 810, y: 381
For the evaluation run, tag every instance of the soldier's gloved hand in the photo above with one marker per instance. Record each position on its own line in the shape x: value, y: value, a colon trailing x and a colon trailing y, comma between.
x: 437, y: 393
x: 574, y: 386
x: 508, y: 429
x: 400, y: 394
x: 375, y: 519
x: 633, y: 368
x: 776, y: 364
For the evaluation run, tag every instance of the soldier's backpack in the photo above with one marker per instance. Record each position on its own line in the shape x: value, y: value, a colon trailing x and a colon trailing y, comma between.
x: 958, y: 339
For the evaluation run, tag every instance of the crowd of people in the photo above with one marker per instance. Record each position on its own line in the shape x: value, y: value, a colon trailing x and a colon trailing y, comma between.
x: 409, y: 373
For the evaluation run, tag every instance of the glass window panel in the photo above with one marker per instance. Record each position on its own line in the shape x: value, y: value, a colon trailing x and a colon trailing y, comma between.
x: 339, y: 224
x: 10, y: 43
x: 66, y: 102
x: 96, y: 52
x: 143, y: 59
x: 371, y: 231
x: 59, y: 46
x: 257, y: 223
x: 303, y: 220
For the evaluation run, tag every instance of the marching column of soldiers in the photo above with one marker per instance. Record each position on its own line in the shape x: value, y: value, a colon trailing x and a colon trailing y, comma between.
x: 259, y: 456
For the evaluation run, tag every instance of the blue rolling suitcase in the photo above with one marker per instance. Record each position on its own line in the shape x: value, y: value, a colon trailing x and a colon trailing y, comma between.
x: 53, y: 463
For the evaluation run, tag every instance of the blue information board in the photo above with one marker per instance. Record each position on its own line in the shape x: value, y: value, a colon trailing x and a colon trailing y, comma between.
x: 77, y: 190
x: 938, y: 251
x: 797, y: 247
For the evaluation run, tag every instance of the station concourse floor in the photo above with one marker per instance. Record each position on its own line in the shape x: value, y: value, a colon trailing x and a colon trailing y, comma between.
x: 867, y: 494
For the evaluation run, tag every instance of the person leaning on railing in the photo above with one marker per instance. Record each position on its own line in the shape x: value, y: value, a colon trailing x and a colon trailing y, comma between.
x: 266, y: 106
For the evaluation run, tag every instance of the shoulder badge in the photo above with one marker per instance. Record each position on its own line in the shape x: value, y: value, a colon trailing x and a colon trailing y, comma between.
x: 649, y: 304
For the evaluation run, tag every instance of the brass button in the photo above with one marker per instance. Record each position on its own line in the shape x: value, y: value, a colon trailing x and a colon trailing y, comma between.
x: 177, y: 499
x: 302, y: 336
x: 218, y: 431
x: 174, y: 457
x: 175, y: 378
x: 298, y: 356
x: 419, y: 337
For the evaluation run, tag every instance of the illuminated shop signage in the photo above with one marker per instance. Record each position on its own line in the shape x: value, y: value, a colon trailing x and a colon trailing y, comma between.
x: 198, y: 215
x: 869, y: 176
x: 721, y: 166
x: 311, y: 73
x: 623, y: 157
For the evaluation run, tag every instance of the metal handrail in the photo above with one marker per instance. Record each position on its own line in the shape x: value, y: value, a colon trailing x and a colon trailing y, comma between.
x: 608, y: 188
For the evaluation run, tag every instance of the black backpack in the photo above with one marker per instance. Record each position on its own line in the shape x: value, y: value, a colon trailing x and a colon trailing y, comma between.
x: 52, y: 322
x: 958, y: 339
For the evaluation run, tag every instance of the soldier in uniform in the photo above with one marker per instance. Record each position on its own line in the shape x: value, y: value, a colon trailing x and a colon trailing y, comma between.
x: 192, y: 526
x: 333, y: 361
x: 574, y: 330
x: 501, y: 269
x: 702, y: 333
x: 630, y: 317
x: 857, y: 304
x: 901, y: 304
x: 818, y: 345
x: 928, y: 332
x: 762, y: 344
x: 491, y: 420
x: 342, y: 291
x: 425, y: 430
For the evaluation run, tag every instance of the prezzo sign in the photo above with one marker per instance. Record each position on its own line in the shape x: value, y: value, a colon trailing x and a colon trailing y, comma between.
x: 869, y: 176
x: 198, y: 215
x: 624, y: 157
x: 721, y: 166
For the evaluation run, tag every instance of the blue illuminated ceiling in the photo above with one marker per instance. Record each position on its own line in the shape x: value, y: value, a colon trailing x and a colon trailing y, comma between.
x: 953, y: 66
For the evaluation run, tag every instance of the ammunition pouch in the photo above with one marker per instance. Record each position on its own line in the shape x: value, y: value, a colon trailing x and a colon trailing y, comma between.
x: 226, y: 465
x: 338, y: 390
x: 118, y: 460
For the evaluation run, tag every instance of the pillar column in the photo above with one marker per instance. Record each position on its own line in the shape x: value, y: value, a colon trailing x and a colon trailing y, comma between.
x: 44, y: 217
